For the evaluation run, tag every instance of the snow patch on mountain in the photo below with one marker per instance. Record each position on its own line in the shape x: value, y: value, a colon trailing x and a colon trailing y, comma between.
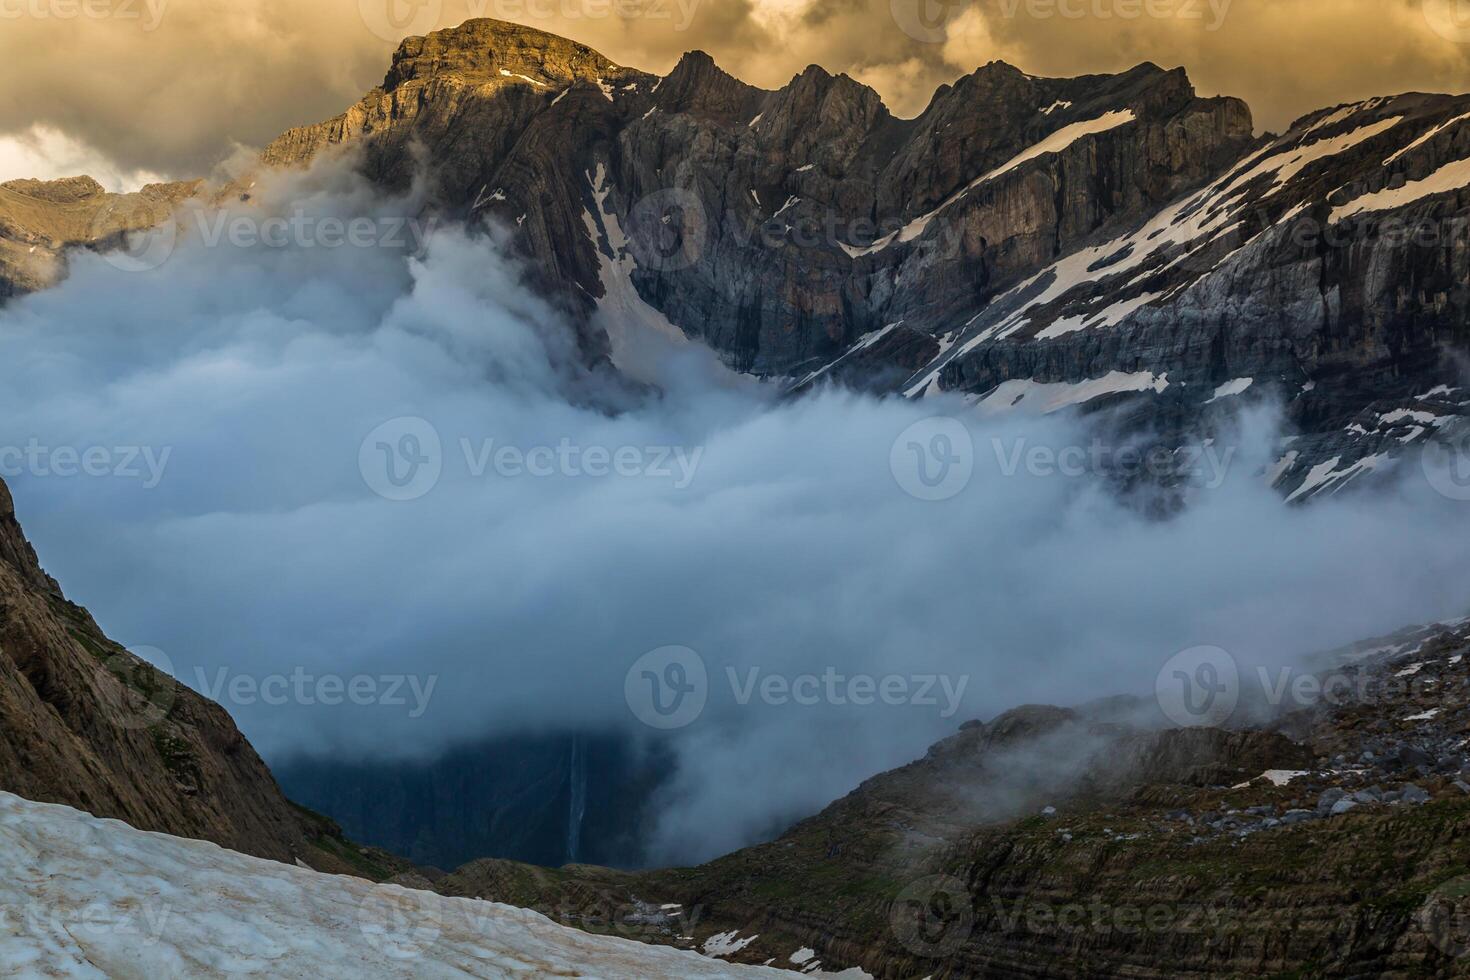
x: 1431, y: 134
x: 1283, y: 165
x: 1051, y: 397
x: 727, y: 943
x: 1230, y: 389
x: 1450, y: 177
x: 1110, y: 316
x: 1055, y: 143
x: 1283, y: 777
x: 1176, y: 235
x: 1328, y: 477
x: 621, y: 308
x: 863, y: 343
x: 512, y: 74
x: 91, y: 898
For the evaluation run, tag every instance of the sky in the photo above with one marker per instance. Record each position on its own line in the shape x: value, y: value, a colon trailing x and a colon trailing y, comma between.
x: 135, y: 89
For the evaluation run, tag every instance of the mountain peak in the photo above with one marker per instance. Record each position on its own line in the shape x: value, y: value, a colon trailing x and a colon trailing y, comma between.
x: 15, y: 550
x: 698, y: 85
x: 1000, y: 68
x: 484, y: 49
x: 697, y: 58
x: 1149, y: 68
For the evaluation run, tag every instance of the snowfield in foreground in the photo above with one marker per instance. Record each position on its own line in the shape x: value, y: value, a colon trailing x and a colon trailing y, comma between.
x: 82, y: 897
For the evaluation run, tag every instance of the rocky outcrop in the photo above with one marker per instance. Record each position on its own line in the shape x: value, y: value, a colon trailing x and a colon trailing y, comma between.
x: 86, y: 723
x: 1326, y: 840
x: 466, y: 92
x: 40, y: 219
x: 698, y: 87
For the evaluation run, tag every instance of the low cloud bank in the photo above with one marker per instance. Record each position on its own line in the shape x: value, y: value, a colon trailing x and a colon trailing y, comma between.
x: 384, y: 527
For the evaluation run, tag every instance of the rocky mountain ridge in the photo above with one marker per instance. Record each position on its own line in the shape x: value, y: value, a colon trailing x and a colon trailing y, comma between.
x: 40, y: 220
x: 86, y: 723
x: 1328, y: 838
x: 1029, y: 243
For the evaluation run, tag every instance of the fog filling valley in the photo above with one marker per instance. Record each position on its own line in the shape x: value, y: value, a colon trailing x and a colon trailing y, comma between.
x: 768, y: 535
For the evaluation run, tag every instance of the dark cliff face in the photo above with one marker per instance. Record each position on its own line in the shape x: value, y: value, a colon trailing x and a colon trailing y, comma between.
x: 785, y: 275
x: 1021, y: 230
x: 774, y: 196
x: 85, y: 723
x: 549, y: 800
x: 1324, y: 268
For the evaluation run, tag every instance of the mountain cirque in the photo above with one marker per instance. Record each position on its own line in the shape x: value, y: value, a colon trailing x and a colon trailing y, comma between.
x: 1021, y: 242
x: 1021, y: 238
x: 1026, y: 242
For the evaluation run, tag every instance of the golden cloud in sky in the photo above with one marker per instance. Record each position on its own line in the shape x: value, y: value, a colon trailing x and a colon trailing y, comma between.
x: 174, y: 86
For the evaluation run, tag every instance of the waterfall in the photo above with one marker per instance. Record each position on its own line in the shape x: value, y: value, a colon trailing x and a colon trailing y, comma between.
x: 577, y: 810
